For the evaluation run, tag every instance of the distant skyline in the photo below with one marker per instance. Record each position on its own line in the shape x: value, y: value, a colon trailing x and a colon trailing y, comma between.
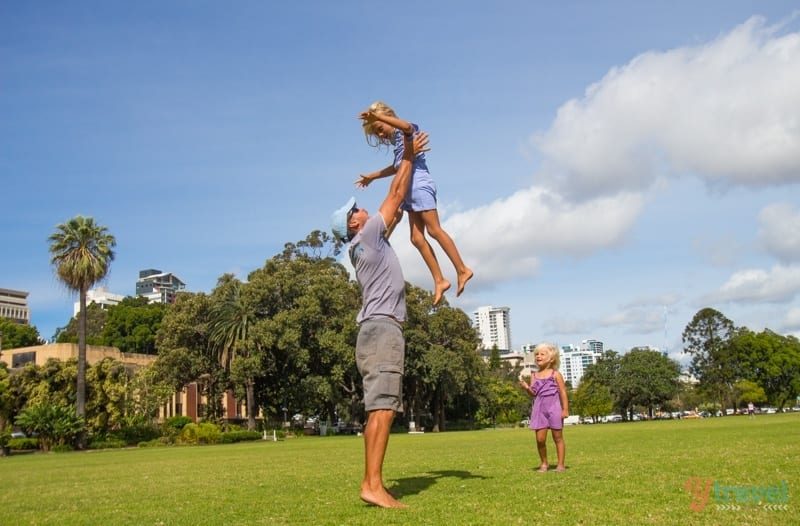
x: 607, y: 169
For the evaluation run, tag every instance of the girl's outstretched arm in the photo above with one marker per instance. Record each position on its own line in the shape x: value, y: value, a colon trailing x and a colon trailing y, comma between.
x: 364, y: 180
x: 404, y: 126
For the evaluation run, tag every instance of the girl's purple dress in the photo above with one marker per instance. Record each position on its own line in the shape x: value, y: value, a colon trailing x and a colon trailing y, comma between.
x: 546, y: 412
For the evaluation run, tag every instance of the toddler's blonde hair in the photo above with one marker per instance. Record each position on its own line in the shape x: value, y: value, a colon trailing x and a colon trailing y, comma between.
x: 369, y: 129
x: 552, y: 350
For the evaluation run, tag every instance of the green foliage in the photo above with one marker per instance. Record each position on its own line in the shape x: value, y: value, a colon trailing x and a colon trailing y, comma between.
x: 132, y: 325
x: 15, y: 335
x: 177, y: 423
x: 107, y: 443
x: 202, y: 433
x: 81, y: 253
x: 592, y: 399
x: 95, y: 321
x: 707, y: 338
x: 231, y: 437
x: 645, y: 378
x: 55, y: 424
x: 22, y: 444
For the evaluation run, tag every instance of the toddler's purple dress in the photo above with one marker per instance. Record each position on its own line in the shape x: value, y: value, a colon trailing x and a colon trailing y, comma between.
x: 546, y: 412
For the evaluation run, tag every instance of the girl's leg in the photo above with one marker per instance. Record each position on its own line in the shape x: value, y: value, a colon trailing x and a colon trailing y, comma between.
x: 558, y: 438
x: 426, y: 250
x: 541, y: 445
x: 435, y: 230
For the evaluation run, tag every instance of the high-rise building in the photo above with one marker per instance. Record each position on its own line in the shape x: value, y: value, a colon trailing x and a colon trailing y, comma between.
x: 100, y: 296
x: 494, y: 326
x: 575, y: 360
x: 157, y: 286
x: 14, y: 306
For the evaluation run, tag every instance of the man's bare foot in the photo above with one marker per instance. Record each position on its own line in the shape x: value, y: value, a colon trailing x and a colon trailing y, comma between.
x: 380, y: 498
x: 439, y: 290
x: 463, y: 277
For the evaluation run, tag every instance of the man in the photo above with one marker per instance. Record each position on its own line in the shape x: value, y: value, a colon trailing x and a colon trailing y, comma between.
x: 380, y: 348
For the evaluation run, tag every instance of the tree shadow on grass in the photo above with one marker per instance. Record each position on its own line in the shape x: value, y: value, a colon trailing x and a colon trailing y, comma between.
x: 415, y: 485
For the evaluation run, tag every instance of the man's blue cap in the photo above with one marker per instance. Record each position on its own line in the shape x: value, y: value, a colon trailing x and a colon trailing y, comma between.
x: 339, y: 220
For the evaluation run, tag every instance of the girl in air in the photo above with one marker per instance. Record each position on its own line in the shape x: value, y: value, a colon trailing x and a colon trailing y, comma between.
x: 382, y: 127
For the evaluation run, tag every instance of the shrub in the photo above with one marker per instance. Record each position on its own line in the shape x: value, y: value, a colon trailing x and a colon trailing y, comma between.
x: 107, y: 443
x: 56, y: 424
x: 240, y: 436
x: 177, y: 422
x: 202, y: 433
x: 23, y: 443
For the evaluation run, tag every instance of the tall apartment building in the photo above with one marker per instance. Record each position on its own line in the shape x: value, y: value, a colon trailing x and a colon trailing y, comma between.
x: 494, y: 327
x: 157, y: 286
x: 100, y: 296
x: 14, y: 306
x: 575, y: 360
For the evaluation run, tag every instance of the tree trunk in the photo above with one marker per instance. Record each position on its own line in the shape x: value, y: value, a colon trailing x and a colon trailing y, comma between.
x: 80, y: 397
x: 251, y: 406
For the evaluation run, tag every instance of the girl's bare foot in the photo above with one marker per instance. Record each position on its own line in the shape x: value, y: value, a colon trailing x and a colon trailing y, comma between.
x: 439, y: 290
x: 380, y: 498
x: 463, y: 277
x: 542, y: 468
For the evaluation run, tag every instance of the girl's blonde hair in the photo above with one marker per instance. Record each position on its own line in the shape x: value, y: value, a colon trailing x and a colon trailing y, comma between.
x: 369, y: 129
x: 552, y: 350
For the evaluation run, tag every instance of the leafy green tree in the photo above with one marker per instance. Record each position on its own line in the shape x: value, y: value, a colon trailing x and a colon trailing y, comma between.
x: 592, y: 399
x: 707, y: 339
x: 502, y: 403
x: 81, y: 253
x: 6, y: 399
x: 306, y: 331
x: 56, y: 424
x: 185, y: 353
x: 14, y: 335
x: 95, y: 321
x: 107, y: 382
x: 646, y: 378
x: 441, y: 355
x: 131, y: 326
x: 770, y: 360
x: 232, y: 318
x: 747, y: 391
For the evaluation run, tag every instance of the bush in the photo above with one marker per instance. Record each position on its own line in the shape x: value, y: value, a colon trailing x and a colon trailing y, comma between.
x: 177, y: 422
x: 23, y: 443
x: 240, y: 436
x: 202, y: 433
x: 56, y: 424
x: 62, y: 448
x: 107, y: 443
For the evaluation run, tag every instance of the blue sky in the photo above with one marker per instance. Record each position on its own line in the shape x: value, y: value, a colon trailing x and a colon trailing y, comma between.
x: 606, y: 168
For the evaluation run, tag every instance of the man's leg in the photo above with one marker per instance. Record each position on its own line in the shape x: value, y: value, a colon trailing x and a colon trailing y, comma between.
x: 376, y: 438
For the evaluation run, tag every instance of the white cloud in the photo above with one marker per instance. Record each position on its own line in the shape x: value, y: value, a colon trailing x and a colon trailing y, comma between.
x: 726, y: 111
x: 780, y: 284
x: 780, y: 231
x: 791, y: 323
x: 506, y: 239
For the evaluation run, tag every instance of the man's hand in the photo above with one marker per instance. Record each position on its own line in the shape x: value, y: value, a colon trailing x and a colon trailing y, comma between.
x: 418, y: 145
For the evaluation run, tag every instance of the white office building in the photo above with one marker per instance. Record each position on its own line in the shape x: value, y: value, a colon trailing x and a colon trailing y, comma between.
x: 100, y: 296
x: 575, y: 360
x: 494, y: 326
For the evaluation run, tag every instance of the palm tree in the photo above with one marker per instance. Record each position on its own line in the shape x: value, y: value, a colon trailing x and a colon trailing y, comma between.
x: 231, y: 319
x: 81, y: 252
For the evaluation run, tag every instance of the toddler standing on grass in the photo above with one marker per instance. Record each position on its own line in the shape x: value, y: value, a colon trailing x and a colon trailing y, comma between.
x: 550, y: 405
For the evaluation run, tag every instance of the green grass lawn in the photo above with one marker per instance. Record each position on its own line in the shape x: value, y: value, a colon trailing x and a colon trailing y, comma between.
x: 624, y: 473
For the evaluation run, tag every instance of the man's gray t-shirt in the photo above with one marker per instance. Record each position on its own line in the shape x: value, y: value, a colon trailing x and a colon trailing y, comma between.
x: 378, y: 272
